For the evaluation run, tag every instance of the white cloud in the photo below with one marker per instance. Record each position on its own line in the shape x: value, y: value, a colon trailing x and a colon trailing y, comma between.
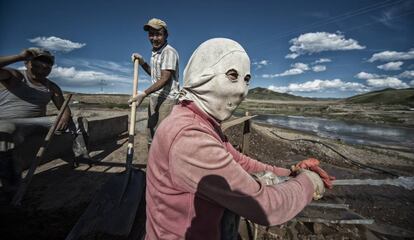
x: 376, y: 81
x: 280, y: 89
x: 112, y: 66
x: 412, y: 83
x: 386, y: 82
x: 292, y: 55
x: 74, y: 77
x: 70, y: 76
x: 56, y: 44
x: 318, y: 85
x: 387, y: 56
x: 309, y: 43
x: 319, y: 68
x: 391, y: 66
x: 268, y: 76
x: 301, y: 66
x: 364, y: 75
x: 260, y: 64
x: 99, y: 65
x: 289, y: 72
x: 322, y: 60
x: 406, y: 74
x: 297, y: 68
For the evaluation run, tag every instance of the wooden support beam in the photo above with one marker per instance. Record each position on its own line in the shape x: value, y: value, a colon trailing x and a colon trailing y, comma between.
x: 333, y: 221
x: 329, y: 205
x: 228, y: 124
x: 246, y: 135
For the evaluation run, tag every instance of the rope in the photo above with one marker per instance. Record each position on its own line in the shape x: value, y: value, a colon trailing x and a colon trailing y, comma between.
x: 348, y: 160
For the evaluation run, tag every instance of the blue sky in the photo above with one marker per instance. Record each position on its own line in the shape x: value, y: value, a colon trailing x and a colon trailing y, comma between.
x: 307, y: 48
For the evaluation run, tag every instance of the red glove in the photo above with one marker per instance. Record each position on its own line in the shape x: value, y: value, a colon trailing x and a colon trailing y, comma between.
x: 307, y: 163
x: 313, y: 165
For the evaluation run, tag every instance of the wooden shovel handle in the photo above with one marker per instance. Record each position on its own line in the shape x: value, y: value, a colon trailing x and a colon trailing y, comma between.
x: 134, y: 103
x: 130, y: 149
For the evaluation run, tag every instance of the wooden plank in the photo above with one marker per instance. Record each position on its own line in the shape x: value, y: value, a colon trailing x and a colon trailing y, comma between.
x: 336, y: 214
x: 329, y: 205
x: 333, y: 221
x: 228, y: 124
x: 246, y: 135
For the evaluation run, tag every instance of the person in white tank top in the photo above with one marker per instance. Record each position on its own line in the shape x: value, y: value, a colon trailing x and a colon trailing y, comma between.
x: 24, y: 96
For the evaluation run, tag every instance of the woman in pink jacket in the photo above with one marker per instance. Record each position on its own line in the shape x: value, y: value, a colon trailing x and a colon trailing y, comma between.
x: 194, y: 173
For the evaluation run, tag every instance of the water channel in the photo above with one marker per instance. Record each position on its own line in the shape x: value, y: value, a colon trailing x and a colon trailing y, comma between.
x: 349, y: 132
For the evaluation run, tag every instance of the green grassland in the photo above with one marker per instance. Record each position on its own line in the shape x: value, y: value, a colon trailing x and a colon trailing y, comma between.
x: 386, y: 96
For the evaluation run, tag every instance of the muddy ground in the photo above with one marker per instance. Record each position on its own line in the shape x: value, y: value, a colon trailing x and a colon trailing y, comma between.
x: 390, y: 207
x: 59, y: 192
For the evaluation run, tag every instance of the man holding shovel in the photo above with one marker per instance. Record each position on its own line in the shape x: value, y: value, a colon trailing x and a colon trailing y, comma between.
x: 24, y: 95
x: 164, y: 75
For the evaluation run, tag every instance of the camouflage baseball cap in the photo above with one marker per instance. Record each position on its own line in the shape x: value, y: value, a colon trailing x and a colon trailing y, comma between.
x: 155, y: 23
x: 40, y: 52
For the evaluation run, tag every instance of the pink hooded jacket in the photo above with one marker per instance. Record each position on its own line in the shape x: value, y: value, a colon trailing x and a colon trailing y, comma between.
x: 194, y: 173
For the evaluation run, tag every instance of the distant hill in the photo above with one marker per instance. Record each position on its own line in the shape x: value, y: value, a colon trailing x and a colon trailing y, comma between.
x: 266, y: 94
x: 385, y: 96
x: 95, y: 94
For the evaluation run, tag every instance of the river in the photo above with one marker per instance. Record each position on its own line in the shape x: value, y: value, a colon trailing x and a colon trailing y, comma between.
x: 349, y: 132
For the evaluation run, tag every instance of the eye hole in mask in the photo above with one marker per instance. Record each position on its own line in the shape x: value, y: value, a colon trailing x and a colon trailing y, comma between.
x: 233, y: 75
x: 247, y: 79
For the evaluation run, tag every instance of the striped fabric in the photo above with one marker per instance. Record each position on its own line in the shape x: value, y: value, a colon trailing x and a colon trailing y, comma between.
x: 166, y: 58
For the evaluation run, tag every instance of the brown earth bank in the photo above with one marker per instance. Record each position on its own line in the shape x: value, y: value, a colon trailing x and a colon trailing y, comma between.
x: 59, y: 192
x: 390, y: 114
x: 390, y: 207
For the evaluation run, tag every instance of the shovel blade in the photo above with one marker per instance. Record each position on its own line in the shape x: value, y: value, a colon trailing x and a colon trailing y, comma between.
x: 112, y: 211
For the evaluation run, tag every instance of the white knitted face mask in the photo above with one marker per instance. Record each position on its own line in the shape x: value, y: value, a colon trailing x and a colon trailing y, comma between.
x: 215, y: 77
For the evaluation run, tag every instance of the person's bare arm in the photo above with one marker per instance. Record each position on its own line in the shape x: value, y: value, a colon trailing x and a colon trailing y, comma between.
x: 165, y: 77
x: 7, y: 74
x: 7, y: 60
x: 146, y: 68
x: 58, y: 99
